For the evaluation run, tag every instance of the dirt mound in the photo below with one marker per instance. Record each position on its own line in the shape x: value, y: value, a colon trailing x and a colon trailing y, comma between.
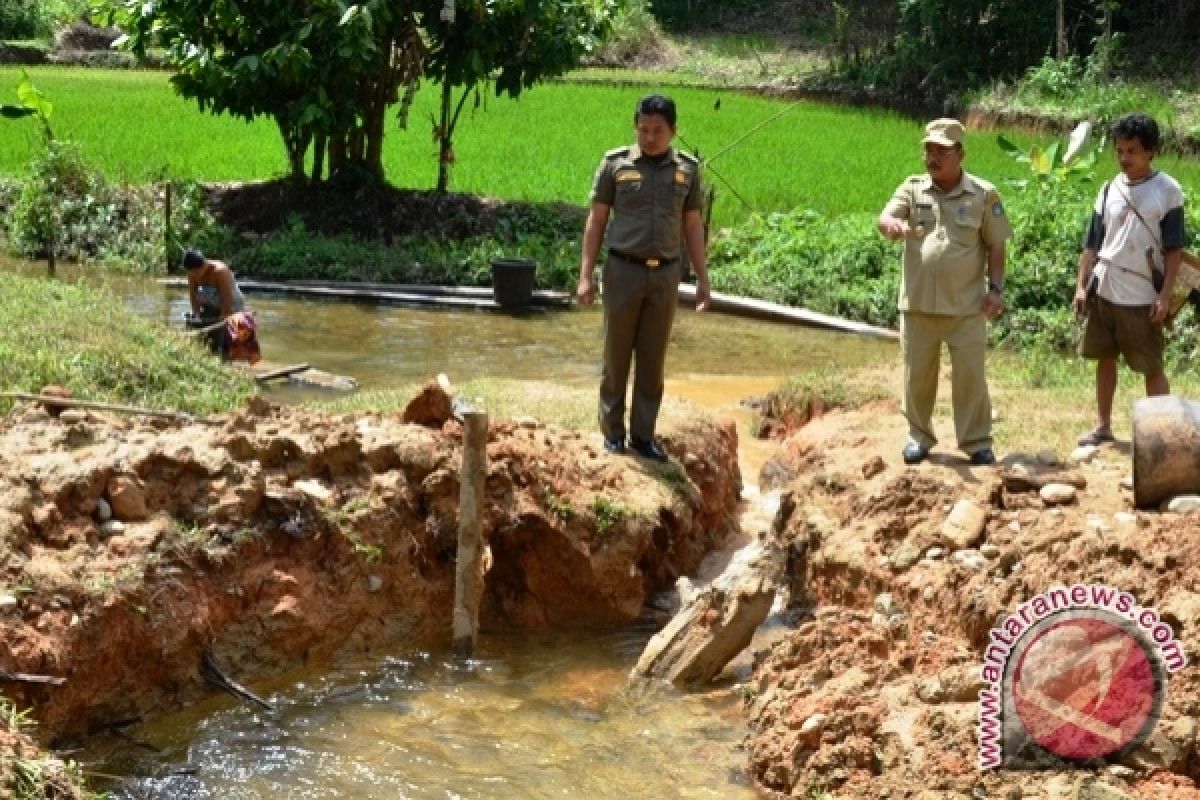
x: 902, y: 576
x: 380, y: 213
x: 277, y: 536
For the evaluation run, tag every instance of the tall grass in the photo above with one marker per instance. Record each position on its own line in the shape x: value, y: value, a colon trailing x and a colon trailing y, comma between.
x: 81, y: 338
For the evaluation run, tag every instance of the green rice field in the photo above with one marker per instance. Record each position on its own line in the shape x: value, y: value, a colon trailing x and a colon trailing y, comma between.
x: 543, y: 146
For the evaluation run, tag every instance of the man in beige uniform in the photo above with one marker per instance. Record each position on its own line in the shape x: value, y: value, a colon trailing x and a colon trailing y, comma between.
x: 653, y: 192
x: 954, y: 228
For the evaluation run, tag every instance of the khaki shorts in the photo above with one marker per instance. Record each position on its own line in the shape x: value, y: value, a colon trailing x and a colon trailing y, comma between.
x: 1114, y: 330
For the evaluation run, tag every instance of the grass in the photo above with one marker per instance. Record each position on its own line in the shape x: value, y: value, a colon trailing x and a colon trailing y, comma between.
x: 80, y: 338
x: 830, y: 158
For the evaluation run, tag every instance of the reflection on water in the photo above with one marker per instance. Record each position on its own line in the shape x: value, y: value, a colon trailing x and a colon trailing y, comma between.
x: 535, y: 716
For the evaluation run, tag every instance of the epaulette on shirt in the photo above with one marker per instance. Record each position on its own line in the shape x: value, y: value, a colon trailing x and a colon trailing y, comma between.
x: 617, y: 152
x: 688, y: 157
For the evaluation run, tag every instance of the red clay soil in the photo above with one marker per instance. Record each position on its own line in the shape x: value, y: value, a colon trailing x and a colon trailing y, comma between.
x: 873, y: 693
x: 279, y: 536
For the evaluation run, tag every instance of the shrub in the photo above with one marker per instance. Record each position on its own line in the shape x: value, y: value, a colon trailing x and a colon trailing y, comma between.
x: 25, y: 19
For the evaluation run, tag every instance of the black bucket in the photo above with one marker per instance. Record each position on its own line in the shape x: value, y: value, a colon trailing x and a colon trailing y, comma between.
x: 512, y: 281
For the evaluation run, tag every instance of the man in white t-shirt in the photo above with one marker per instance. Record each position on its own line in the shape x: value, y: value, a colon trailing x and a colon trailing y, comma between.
x: 1128, y: 267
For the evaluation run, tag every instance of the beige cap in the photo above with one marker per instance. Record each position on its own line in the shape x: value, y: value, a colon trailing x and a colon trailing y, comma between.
x: 946, y: 132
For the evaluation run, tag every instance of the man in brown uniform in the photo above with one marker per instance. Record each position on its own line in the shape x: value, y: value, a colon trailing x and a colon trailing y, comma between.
x: 954, y: 228
x: 653, y: 192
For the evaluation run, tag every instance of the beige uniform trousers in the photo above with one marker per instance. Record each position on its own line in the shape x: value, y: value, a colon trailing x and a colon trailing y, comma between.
x: 639, y: 308
x: 921, y: 338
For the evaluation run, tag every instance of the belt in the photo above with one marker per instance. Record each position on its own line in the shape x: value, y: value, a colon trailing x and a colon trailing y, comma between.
x: 648, y: 263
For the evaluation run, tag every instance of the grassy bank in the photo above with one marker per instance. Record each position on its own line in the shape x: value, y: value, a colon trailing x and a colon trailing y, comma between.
x: 82, y: 339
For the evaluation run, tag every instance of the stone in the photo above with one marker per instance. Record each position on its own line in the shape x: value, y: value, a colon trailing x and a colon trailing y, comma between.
x: 989, y: 550
x: 1088, y: 788
x: 905, y: 555
x: 1167, y: 747
x: 103, y: 510
x: 1127, y: 482
x: 126, y: 498
x: 374, y: 583
x: 7, y: 601
x: 1048, y: 458
x: 1084, y: 454
x: 934, y: 553
x: 964, y: 526
x: 971, y: 559
x: 810, y: 730
x: 1058, y: 494
x: 873, y: 467
x: 112, y: 527
x: 1184, y: 504
x: 314, y: 489
x: 886, y: 605
x: 73, y: 415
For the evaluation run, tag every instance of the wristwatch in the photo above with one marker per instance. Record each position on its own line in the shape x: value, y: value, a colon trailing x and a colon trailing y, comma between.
x: 998, y: 288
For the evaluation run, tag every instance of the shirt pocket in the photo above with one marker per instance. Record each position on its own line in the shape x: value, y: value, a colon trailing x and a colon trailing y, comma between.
x: 964, y: 223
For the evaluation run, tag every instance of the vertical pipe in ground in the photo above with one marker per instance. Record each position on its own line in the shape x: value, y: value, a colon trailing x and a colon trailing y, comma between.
x: 468, y: 579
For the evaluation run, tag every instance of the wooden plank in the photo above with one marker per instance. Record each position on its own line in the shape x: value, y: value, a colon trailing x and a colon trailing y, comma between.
x: 775, y: 312
x: 282, y: 372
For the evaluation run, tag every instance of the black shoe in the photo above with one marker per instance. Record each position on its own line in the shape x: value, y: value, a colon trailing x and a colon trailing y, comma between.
x: 983, y: 457
x: 648, y: 449
x: 615, y: 445
x: 914, y: 453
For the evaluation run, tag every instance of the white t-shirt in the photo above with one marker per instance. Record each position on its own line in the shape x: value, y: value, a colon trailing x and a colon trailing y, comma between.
x: 1126, y: 246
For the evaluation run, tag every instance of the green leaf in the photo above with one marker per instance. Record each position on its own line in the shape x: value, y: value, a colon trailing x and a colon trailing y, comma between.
x: 1010, y: 148
x: 15, y: 112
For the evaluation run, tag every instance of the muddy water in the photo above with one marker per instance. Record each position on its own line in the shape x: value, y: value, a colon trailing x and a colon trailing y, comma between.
x: 536, y: 716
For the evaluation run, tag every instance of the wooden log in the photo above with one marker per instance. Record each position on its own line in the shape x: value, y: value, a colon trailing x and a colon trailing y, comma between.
x: 719, y: 622
x: 468, y: 577
x: 1166, y: 444
x: 65, y: 402
x: 282, y: 372
x: 211, y: 672
x: 25, y: 677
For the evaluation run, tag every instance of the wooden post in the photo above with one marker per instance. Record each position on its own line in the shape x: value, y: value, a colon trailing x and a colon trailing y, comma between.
x: 167, y: 228
x: 468, y: 579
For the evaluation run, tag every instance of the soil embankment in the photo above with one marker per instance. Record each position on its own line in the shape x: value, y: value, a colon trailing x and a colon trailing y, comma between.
x: 898, y: 575
x: 275, y: 536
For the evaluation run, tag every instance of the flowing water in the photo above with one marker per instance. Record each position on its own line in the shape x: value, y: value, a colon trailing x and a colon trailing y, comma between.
x: 536, y: 716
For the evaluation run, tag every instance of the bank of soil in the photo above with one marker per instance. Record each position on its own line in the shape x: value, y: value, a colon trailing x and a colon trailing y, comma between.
x: 872, y: 691
x: 270, y: 537
x: 379, y: 213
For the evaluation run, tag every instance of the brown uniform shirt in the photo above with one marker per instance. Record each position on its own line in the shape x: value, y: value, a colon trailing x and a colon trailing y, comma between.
x: 648, y: 199
x: 945, y: 270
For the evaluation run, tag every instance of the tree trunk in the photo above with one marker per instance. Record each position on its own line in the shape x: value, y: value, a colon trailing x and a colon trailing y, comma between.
x: 320, y: 143
x: 292, y: 143
x: 444, y: 144
x: 1060, y: 30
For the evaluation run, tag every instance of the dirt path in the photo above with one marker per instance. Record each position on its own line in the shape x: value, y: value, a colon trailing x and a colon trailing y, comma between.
x: 872, y: 690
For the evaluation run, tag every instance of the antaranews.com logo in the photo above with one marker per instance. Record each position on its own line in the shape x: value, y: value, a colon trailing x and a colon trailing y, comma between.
x: 1077, y: 675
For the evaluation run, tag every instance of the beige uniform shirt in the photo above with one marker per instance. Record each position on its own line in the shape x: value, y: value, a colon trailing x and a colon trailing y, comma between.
x: 945, y: 269
x: 648, y: 200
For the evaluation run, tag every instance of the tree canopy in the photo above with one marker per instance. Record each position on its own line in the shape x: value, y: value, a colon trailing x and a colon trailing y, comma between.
x: 327, y: 71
